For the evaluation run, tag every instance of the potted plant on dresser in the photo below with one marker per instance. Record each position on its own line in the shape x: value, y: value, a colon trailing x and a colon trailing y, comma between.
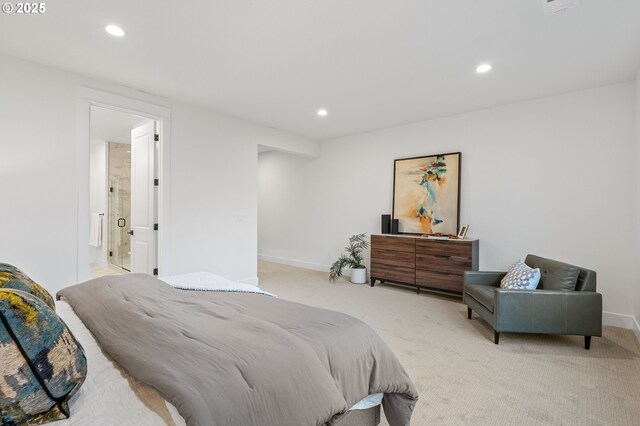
x: 352, y: 258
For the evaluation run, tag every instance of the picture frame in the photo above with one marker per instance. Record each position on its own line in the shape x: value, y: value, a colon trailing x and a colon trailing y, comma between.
x: 462, y: 234
x: 426, y: 193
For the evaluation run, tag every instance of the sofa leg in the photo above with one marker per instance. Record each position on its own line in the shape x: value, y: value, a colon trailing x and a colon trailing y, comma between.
x: 587, y: 342
x: 469, y: 311
x: 496, y: 337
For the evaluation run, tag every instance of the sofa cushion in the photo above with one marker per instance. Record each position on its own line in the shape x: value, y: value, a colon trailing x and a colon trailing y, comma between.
x: 12, y: 277
x: 483, y: 294
x: 42, y: 365
x: 521, y: 277
x: 554, y: 275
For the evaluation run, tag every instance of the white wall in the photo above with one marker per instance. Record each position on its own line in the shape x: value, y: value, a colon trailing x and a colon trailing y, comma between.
x: 214, y: 194
x: 282, y: 212
x: 551, y: 176
x: 38, y: 176
x: 213, y: 178
x: 98, y: 195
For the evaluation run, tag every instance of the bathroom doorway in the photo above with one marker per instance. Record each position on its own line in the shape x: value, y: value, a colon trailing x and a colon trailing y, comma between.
x: 113, y: 181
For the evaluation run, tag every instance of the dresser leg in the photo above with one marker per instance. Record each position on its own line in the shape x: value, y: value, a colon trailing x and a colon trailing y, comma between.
x: 469, y: 312
x: 418, y: 290
x: 373, y: 282
x: 496, y: 337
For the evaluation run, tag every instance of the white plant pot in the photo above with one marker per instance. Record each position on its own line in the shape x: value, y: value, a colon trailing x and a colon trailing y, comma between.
x: 359, y: 275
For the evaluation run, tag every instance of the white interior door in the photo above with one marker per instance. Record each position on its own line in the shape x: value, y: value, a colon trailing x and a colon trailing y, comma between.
x: 144, y: 239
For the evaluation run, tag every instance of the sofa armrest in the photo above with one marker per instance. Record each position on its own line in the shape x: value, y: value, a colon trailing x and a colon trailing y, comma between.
x: 548, y: 311
x: 483, y: 278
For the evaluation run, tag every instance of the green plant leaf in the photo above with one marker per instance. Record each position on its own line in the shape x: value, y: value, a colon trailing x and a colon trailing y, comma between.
x: 353, y: 256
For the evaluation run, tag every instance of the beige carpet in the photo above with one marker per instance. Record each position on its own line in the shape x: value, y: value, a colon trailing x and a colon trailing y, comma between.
x: 462, y: 377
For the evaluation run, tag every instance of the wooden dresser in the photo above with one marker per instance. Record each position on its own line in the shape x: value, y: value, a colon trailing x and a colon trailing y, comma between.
x: 421, y: 262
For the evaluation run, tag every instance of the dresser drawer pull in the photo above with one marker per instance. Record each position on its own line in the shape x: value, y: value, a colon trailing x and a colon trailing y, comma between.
x: 444, y: 274
x: 458, y: 258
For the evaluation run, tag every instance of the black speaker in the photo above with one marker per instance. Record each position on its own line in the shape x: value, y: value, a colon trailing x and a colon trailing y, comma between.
x: 395, y: 223
x: 386, y: 223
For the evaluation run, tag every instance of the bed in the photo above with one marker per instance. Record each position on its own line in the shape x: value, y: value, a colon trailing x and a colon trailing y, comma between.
x: 225, y: 358
x: 109, y: 395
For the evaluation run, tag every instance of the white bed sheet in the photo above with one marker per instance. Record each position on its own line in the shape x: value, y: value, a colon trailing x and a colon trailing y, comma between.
x: 208, y: 281
x: 106, y: 397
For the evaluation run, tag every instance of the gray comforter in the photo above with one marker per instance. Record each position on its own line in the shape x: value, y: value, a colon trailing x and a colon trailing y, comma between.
x: 241, y: 359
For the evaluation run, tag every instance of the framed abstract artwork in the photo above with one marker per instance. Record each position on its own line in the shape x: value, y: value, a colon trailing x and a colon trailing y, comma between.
x: 426, y: 194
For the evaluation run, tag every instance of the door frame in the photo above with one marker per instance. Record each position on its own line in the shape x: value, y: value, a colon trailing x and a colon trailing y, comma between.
x: 88, y: 97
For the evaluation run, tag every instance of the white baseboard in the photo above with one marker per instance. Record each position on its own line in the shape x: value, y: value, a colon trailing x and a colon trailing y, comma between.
x: 617, y: 320
x: 622, y: 321
x: 296, y: 263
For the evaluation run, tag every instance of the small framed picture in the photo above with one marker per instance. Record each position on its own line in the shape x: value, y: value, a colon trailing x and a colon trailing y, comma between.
x: 463, y: 232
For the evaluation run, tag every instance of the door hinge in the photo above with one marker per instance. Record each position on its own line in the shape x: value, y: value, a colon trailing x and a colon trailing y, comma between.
x: 155, y: 271
x: 156, y: 182
x: 156, y: 137
x: 111, y: 189
x: 155, y: 226
x: 130, y: 232
x: 110, y: 254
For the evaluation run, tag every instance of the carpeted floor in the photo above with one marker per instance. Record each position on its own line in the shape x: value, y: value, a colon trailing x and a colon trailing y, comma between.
x: 462, y: 377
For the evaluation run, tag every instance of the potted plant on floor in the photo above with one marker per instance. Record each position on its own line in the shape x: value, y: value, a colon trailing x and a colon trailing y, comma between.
x: 352, y: 258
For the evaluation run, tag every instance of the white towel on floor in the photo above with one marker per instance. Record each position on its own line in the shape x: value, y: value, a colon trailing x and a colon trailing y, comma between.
x: 95, y: 234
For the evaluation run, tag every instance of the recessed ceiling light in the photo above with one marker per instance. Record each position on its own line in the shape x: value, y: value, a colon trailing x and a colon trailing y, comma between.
x: 114, y: 30
x: 483, y: 68
x: 322, y: 112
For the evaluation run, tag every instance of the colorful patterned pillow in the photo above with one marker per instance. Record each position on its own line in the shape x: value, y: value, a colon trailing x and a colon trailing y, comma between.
x: 521, y: 277
x: 12, y: 277
x: 41, y: 363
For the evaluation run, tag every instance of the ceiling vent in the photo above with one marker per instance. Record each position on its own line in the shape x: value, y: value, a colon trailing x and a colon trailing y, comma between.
x: 552, y: 7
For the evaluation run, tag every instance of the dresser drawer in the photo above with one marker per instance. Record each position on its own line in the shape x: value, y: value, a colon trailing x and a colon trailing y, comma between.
x: 443, y: 263
x: 451, y: 248
x: 403, y: 244
x: 421, y: 262
x: 440, y: 280
x: 393, y: 273
x: 392, y: 258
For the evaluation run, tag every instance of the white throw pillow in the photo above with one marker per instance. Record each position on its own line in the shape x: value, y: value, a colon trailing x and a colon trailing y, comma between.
x: 521, y: 277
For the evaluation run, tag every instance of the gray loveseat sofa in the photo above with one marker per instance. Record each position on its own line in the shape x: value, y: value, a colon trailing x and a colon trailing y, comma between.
x: 565, y: 301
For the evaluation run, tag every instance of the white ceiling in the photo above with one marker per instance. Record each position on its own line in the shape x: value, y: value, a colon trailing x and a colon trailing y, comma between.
x: 113, y: 126
x: 371, y: 63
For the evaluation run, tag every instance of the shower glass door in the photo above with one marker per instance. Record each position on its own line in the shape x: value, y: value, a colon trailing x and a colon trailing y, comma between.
x: 120, y: 205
